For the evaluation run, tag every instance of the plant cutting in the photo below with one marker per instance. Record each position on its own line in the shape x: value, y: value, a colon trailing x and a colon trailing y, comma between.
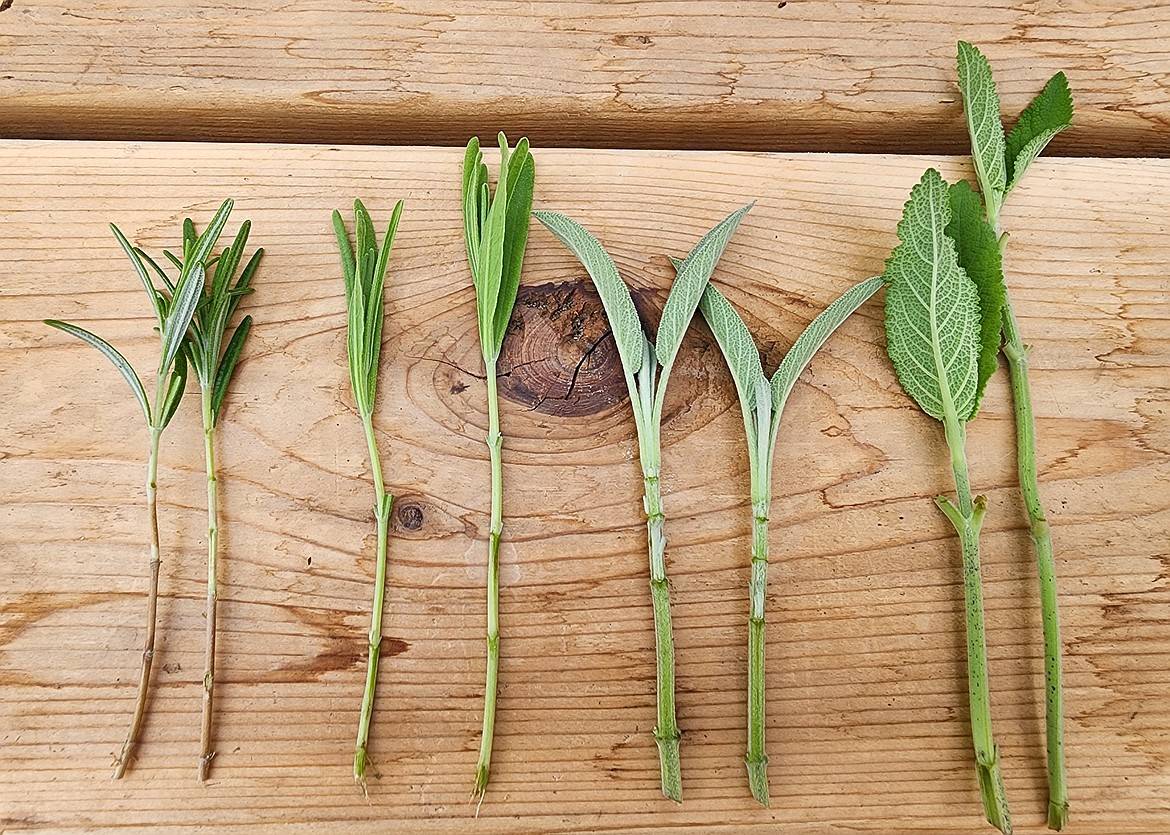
x: 174, y: 306
x: 762, y: 402
x: 646, y: 365
x: 943, y: 306
x: 1000, y: 162
x: 496, y: 233
x: 214, y: 364
x: 363, y: 266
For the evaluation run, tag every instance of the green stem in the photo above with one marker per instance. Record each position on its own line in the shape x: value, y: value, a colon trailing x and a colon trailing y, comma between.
x: 383, y: 503
x: 757, y: 758
x: 666, y: 732
x: 495, y: 444
x: 151, y: 602
x: 1017, y: 357
x: 205, y: 752
x: 967, y: 519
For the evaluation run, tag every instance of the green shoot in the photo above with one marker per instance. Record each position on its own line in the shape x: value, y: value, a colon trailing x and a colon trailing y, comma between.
x: 174, y: 306
x: 496, y: 233
x: 999, y: 165
x: 364, y: 269
x: 214, y: 363
x: 935, y: 316
x: 640, y: 359
x: 762, y: 402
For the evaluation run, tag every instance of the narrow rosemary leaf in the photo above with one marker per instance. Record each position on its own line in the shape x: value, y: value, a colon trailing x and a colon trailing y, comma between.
x: 1047, y: 115
x: 932, y: 308
x: 111, y: 353
x: 815, y: 335
x: 229, y: 261
x: 521, y: 182
x: 176, y: 384
x: 615, y: 296
x: 188, y: 237
x: 688, y: 287
x: 978, y: 252
x: 244, y: 284
x: 737, y: 345
x: 182, y: 310
x: 175, y: 261
x: 205, y: 243
x: 227, y: 366
x: 981, y: 106
x: 166, y: 280
x: 134, y: 255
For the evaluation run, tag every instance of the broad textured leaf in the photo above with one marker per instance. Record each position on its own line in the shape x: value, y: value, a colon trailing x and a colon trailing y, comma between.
x: 1047, y: 115
x: 227, y: 366
x: 815, y: 335
x: 521, y: 181
x: 736, y: 343
x: 978, y: 252
x: 932, y: 308
x: 981, y: 106
x: 615, y: 296
x: 112, y: 355
x: 179, y: 316
x: 132, y: 253
x: 688, y: 287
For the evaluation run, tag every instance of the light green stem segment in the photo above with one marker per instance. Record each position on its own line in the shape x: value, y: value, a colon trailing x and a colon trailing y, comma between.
x: 205, y: 750
x: 666, y: 732
x: 127, y: 751
x: 967, y: 519
x: 1017, y: 357
x: 757, y: 759
x: 383, y: 503
x: 495, y: 443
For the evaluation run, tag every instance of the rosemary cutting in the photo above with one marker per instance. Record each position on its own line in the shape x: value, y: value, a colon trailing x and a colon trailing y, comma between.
x: 641, y: 359
x: 174, y: 306
x: 364, y: 270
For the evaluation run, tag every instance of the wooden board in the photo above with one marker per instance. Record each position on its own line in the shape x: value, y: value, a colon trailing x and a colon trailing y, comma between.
x: 805, y: 75
x: 866, y: 686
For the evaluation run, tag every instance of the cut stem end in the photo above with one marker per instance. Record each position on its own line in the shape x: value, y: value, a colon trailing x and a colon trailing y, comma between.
x: 757, y: 770
x: 671, y: 769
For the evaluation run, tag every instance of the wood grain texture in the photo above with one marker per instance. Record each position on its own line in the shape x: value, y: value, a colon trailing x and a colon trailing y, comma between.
x: 806, y: 75
x: 866, y: 701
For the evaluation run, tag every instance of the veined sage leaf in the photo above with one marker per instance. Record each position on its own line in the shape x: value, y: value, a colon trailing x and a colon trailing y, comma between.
x: 1046, y: 116
x: 981, y: 105
x: 736, y: 343
x: 932, y: 308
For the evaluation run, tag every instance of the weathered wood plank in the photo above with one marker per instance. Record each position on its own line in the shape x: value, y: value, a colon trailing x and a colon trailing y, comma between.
x: 807, y: 75
x: 866, y: 699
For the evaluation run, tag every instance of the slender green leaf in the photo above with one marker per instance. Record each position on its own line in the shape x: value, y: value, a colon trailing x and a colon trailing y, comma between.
x: 182, y: 310
x: 815, y: 335
x: 175, y: 261
x: 979, y: 255
x: 615, y: 296
x: 205, y: 243
x: 176, y: 385
x: 227, y: 366
x: 229, y: 261
x: 688, y: 287
x: 736, y: 343
x: 488, y: 277
x: 981, y: 106
x: 133, y: 254
x: 375, y: 308
x: 119, y: 361
x: 244, y: 285
x: 932, y: 308
x: 521, y: 182
x: 1047, y: 115
x: 472, y: 186
x: 348, y: 267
